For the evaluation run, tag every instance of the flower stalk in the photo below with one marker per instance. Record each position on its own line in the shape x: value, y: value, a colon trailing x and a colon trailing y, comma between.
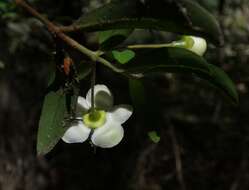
x: 93, y: 81
x: 195, y: 44
x: 155, y: 46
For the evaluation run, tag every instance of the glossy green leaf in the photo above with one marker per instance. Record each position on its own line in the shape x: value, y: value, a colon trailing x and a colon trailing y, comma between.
x: 137, y: 93
x: 51, y: 127
x: 51, y: 74
x: 182, y: 17
x: 154, y: 136
x: 109, y: 39
x: 177, y: 60
x: 147, y: 108
x: 123, y: 56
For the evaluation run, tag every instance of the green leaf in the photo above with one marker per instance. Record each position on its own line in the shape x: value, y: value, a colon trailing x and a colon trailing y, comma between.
x: 137, y: 93
x: 182, y: 17
x: 154, y: 136
x: 148, y: 113
x: 109, y: 39
x: 51, y: 127
x: 51, y: 76
x: 9, y: 15
x: 123, y: 56
x: 177, y: 60
x: 3, y: 5
x: 83, y: 68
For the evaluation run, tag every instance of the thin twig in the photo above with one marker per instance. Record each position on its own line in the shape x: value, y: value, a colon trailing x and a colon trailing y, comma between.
x: 239, y: 175
x: 70, y: 28
x: 216, y: 114
x: 94, y: 56
x: 177, y: 153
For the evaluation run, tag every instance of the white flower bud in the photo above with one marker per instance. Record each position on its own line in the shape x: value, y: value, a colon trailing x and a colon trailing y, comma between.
x: 195, y: 44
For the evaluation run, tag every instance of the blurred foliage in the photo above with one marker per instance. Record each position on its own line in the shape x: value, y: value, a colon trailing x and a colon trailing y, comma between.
x: 7, y: 10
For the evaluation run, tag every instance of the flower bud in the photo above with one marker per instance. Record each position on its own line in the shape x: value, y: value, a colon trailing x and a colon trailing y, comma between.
x: 195, y: 44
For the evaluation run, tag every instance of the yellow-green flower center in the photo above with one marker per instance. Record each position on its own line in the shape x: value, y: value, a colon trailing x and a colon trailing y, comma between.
x: 95, y: 119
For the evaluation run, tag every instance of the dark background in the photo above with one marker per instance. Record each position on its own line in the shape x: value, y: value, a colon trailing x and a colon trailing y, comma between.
x: 199, y: 128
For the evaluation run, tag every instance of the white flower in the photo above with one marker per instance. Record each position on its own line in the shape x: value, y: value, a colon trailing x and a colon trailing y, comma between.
x: 195, y: 44
x: 105, y: 123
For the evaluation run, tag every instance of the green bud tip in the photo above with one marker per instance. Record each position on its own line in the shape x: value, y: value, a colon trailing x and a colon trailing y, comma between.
x: 95, y: 119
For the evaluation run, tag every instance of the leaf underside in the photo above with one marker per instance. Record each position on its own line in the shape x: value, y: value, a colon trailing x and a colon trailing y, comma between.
x: 182, y: 17
x: 51, y: 122
x: 179, y: 60
x: 110, y: 39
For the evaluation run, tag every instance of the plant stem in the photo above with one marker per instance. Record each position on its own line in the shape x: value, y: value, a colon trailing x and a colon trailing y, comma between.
x: 93, y: 81
x: 154, y: 46
x: 70, y: 28
x: 94, y: 56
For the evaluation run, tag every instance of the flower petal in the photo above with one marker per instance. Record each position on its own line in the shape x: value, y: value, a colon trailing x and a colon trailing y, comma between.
x: 121, y: 113
x: 102, y: 95
x: 77, y: 133
x: 108, y: 135
x: 82, y: 106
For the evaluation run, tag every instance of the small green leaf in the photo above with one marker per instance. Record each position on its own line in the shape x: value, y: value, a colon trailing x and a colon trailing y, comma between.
x: 154, y: 136
x: 123, y: 56
x: 109, y: 39
x: 51, y: 127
